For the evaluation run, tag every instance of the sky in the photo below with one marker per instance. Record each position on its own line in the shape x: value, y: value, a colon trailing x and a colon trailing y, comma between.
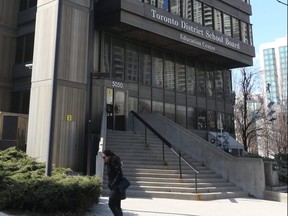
x: 269, y: 21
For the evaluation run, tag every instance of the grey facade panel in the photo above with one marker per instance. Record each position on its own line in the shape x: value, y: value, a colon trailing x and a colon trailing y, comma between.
x: 180, y: 99
x: 157, y: 94
x: 191, y: 101
x: 201, y: 102
x: 145, y: 92
x: 169, y: 97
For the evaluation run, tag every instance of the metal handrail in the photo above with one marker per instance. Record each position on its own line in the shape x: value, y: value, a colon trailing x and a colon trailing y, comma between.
x: 167, y: 143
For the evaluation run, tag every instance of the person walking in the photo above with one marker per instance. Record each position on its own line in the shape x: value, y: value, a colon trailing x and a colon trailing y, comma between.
x: 114, y: 171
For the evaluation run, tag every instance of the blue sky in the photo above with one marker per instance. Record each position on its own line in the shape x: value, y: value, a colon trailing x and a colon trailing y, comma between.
x: 269, y: 20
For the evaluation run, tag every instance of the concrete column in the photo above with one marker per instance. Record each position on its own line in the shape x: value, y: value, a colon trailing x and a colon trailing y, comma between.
x: 57, y: 115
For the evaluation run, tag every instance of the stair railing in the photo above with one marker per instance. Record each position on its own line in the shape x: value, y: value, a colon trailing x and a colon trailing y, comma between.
x: 168, y: 144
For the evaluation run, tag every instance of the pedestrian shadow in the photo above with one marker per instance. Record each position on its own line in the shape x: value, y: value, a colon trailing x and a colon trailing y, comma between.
x: 158, y: 213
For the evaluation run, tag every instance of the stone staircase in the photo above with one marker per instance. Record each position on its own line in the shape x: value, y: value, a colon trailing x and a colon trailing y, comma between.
x: 151, y: 177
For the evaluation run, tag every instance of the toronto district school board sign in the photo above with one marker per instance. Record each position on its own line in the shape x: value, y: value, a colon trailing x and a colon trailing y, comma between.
x: 192, y: 29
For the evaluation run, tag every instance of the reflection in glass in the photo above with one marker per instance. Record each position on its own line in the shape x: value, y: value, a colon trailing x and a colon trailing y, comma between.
x: 170, y: 111
x: 131, y: 62
x: 201, y: 119
x: 219, y: 85
x: 218, y: 21
x: 228, y: 86
x: 118, y: 58
x: 250, y: 35
x: 180, y: 75
x: 220, y: 121
x: 145, y: 65
x: 157, y: 68
x: 164, y: 4
x: 181, y: 115
x: 236, y: 29
x: 175, y: 6
x: 169, y: 75
x: 133, y: 104
x: 211, y: 120
x: 105, y: 67
x: 230, y: 123
x: 244, y: 32
x: 197, y: 15
x: 187, y: 9
x: 191, y: 118
x: 201, y: 76
x: 210, y: 82
x: 157, y: 107
x: 144, y: 106
x: 191, y: 78
x: 227, y: 24
x: 208, y: 16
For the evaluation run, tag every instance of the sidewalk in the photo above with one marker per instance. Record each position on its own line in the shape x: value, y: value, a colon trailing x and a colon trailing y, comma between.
x: 171, y: 207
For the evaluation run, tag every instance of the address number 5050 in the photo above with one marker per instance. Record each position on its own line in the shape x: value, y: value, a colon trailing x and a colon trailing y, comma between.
x: 117, y: 84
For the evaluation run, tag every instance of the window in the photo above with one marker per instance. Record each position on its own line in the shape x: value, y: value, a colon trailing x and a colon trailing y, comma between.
x: 244, y: 32
x: 218, y: 21
x: 164, y: 4
x: 118, y: 58
x: 169, y: 75
x: 227, y: 24
x: 208, y: 16
x: 133, y: 104
x: 219, y: 85
x: 157, y: 107
x: 197, y: 15
x: 106, y: 53
x: 187, y: 9
x: 131, y: 69
x: 201, y: 76
x: 210, y: 85
x: 180, y: 75
x: 201, y: 119
x: 157, y: 69
x: 175, y: 7
x: 191, y: 78
x: 191, y: 118
x: 211, y: 120
x: 181, y: 115
x: 236, y: 29
x: 24, y: 49
x: 144, y: 106
x: 145, y: 65
x: 170, y: 111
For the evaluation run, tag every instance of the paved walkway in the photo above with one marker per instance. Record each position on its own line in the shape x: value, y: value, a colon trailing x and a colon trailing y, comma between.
x: 171, y: 207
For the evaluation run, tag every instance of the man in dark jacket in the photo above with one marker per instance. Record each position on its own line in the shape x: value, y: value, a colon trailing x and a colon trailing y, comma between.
x: 114, y: 172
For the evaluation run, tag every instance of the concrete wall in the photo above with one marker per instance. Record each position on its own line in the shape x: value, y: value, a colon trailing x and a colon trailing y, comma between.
x: 60, y: 77
x: 8, y: 32
x: 245, y: 172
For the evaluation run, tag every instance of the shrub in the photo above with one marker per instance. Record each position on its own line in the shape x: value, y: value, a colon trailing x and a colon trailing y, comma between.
x: 24, y: 186
x: 282, y: 163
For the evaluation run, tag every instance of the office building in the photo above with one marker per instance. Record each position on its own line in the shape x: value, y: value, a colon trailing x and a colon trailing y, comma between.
x: 109, y: 57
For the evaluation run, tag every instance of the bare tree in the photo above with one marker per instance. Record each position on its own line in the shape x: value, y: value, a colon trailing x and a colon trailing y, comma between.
x: 248, y: 110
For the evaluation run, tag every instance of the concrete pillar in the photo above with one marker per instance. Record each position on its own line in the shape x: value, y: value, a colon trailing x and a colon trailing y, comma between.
x: 58, y: 101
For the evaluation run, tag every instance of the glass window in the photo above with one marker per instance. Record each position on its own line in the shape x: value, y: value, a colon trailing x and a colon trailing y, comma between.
x: 145, y: 66
x: 19, y: 50
x: 201, y: 76
x: 228, y: 85
x: 118, y: 58
x: 180, y: 75
x: 230, y: 123
x: 208, y: 16
x: 244, y: 32
x: 201, y: 119
x: 191, y: 118
x: 250, y: 35
x: 157, y: 107
x: 219, y: 85
x: 164, y: 4
x: 157, y: 69
x: 220, y: 121
x: 175, y: 7
x: 133, y: 104
x: 191, y: 78
x: 197, y: 15
x: 227, y: 24
x: 170, y: 111
x: 105, y: 66
x: 187, y: 9
x: 181, y: 115
x: 218, y: 21
x: 169, y: 75
x: 29, y: 45
x: 210, y: 82
x: 131, y: 69
x: 144, y: 106
x: 211, y: 120
x: 236, y: 29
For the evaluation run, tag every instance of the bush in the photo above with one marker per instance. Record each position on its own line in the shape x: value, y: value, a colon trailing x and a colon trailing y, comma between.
x: 282, y: 163
x: 24, y: 186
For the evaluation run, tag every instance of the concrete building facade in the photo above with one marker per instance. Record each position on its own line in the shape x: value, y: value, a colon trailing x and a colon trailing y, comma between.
x: 110, y: 57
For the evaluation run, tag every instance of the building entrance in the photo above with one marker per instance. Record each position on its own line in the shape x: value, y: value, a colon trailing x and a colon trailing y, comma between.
x: 115, y: 109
